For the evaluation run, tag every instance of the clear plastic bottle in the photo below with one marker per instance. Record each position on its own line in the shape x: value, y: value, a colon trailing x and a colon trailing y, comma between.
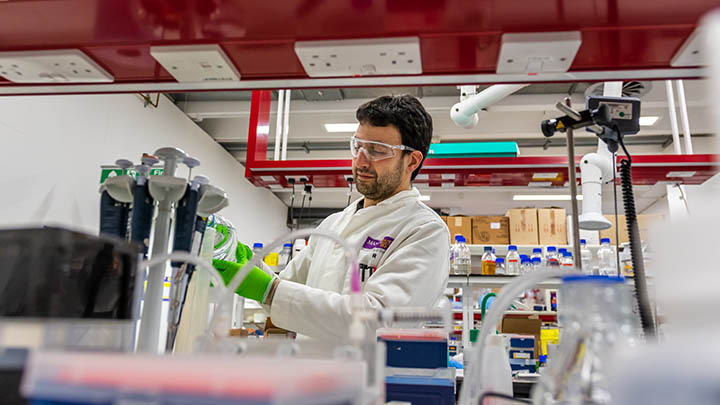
x: 284, y: 256
x: 512, y: 261
x: 460, y: 264
x: 536, y: 263
x: 489, y: 267
x: 453, y: 253
x: 551, y: 257
x: 607, y: 265
x: 561, y: 251
x: 257, y: 247
x: 537, y: 252
x: 567, y: 260
x: 500, y: 266
x: 525, y: 264
x: 496, y: 374
x: 585, y: 257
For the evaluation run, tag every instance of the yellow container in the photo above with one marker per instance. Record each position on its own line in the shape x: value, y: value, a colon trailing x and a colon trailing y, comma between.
x: 271, y: 259
x: 549, y: 335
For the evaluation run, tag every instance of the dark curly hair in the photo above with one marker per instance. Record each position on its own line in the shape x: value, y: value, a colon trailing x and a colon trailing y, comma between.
x: 405, y: 113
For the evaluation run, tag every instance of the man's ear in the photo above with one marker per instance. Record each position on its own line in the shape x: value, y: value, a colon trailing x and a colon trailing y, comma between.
x: 416, y: 159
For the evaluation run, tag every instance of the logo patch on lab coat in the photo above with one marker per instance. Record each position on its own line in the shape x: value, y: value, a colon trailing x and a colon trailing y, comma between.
x: 371, y: 243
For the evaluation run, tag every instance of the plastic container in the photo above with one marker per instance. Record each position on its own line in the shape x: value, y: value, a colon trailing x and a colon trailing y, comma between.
x: 496, y: 375
x: 567, y: 260
x: 257, y: 247
x: 500, y: 266
x: 489, y: 267
x: 525, y: 264
x: 512, y: 261
x: 551, y: 257
x: 607, y: 265
x: 284, y: 256
x: 537, y: 252
x: 585, y: 257
x: 460, y: 263
x: 595, y: 323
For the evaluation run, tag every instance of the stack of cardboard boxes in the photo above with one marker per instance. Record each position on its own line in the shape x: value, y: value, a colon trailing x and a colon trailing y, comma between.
x: 521, y: 226
x: 534, y: 226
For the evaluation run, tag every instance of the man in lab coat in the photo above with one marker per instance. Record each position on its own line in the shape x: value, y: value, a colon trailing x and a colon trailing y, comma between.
x: 402, y: 245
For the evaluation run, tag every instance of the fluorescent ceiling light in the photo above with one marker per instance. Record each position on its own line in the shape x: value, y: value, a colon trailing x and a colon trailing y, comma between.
x: 649, y: 120
x: 424, y: 198
x: 350, y: 127
x: 544, y: 197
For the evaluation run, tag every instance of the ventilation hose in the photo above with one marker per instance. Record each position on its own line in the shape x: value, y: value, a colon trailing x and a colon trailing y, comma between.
x: 641, y: 291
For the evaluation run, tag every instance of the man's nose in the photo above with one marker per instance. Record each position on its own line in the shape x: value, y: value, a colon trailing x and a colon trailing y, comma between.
x: 362, y: 159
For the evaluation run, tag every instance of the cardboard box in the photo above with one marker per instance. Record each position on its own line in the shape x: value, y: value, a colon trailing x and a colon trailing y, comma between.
x: 610, y: 232
x: 523, y: 226
x: 462, y: 226
x: 552, y: 226
x: 645, y: 223
x: 524, y: 326
x: 591, y: 237
x: 491, y: 230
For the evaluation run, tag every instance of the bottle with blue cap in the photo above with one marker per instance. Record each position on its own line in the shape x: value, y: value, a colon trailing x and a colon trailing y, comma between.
x: 284, y: 257
x: 460, y: 257
x: 567, y: 260
x: 488, y: 265
x: 537, y: 252
x: 607, y: 265
x: 551, y: 257
x: 512, y: 261
x: 536, y: 263
x: 585, y: 257
x: 525, y: 265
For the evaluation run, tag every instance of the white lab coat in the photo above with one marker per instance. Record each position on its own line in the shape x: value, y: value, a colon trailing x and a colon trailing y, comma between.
x: 402, y: 244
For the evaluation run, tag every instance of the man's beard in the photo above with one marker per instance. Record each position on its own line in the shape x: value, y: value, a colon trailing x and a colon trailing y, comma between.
x: 381, y: 187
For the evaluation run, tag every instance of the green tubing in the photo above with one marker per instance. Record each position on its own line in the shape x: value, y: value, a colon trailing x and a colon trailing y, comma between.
x: 484, y: 303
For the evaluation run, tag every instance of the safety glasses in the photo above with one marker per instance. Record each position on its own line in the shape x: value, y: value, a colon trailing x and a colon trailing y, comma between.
x: 375, y: 150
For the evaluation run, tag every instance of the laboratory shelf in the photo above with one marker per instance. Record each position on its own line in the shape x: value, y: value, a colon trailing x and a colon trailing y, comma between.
x: 478, y: 281
x: 501, y: 250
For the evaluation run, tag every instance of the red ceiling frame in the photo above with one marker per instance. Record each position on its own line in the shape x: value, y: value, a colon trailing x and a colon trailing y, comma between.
x: 541, y: 171
x: 459, y: 40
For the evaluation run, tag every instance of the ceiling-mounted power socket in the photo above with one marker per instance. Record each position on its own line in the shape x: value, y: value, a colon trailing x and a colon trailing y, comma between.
x: 360, y: 57
x: 54, y: 66
x: 196, y: 63
x: 538, y: 52
x: 691, y: 53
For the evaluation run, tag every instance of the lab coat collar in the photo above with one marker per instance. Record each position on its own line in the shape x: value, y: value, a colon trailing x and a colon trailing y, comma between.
x: 412, y: 193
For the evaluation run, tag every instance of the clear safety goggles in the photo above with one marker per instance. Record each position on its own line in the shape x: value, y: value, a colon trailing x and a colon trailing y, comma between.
x: 375, y: 150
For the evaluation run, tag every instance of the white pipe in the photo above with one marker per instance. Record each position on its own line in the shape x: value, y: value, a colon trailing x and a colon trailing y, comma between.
x: 464, y: 113
x: 673, y: 117
x: 286, y: 125
x: 684, y: 117
x: 278, y: 124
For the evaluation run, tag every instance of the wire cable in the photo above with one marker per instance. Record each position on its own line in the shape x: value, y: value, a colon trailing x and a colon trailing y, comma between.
x: 302, y: 207
x: 617, y: 228
x: 292, y: 203
x: 641, y: 292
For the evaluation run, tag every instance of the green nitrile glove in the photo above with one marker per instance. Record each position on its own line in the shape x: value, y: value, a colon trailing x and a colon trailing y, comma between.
x: 255, y: 285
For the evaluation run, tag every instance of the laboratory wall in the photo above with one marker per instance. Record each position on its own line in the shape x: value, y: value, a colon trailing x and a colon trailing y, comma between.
x: 52, y: 147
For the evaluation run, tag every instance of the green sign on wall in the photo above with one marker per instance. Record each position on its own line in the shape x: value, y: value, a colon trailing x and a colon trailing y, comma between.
x: 112, y: 172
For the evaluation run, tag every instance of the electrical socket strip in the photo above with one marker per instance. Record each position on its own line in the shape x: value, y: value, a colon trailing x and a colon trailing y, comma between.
x: 360, y: 57
x: 53, y: 66
x: 196, y: 63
